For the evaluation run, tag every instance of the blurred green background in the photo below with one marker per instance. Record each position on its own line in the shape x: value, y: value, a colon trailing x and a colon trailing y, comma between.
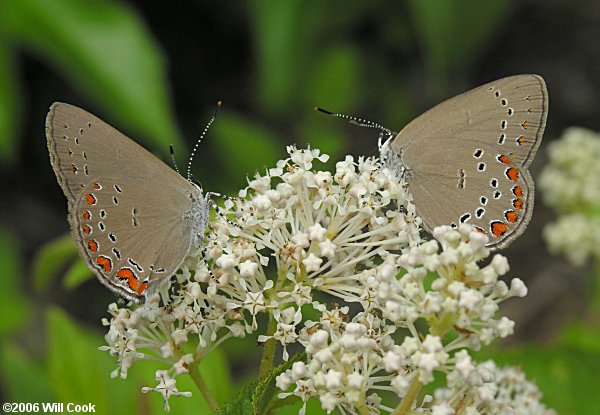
x: 155, y: 70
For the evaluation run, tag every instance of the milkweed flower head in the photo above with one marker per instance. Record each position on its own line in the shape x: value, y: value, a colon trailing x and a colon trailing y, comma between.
x: 394, y: 309
x: 570, y: 185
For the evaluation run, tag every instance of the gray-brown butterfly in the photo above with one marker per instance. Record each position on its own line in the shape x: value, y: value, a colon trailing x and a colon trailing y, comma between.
x: 132, y: 216
x: 466, y: 160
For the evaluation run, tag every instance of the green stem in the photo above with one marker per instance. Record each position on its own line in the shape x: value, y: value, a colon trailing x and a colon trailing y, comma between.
x: 194, y: 373
x: 362, y: 408
x: 266, y: 361
x: 413, y: 390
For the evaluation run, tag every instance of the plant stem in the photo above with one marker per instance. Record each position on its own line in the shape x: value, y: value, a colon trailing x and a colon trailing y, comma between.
x: 404, y: 407
x: 266, y: 361
x: 194, y: 373
x: 362, y: 408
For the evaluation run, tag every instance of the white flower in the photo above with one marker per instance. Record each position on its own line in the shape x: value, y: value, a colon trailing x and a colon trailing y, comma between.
x: 225, y: 261
x: 327, y: 249
x: 322, y: 179
x: 262, y: 202
x: 316, y: 232
x: 518, y: 288
x: 443, y: 409
x: 356, y: 380
x: 182, y: 365
x: 248, y: 268
x: 301, y: 240
x: 287, y: 320
x: 312, y: 262
x: 333, y: 379
x: 166, y: 387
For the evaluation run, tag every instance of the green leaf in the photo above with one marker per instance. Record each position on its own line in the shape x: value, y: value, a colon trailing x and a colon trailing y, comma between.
x: 104, y: 48
x: 23, y: 379
x: 266, y: 389
x: 582, y: 336
x: 10, y: 99
x: 79, y: 372
x: 255, y: 398
x: 76, y: 373
x: 455, y: 32
x: 13, y: 305
x: 77, y: 274
x: 50, y: 259
x: 335, y: 83
x: 284, y: 34
x: 243, y: 146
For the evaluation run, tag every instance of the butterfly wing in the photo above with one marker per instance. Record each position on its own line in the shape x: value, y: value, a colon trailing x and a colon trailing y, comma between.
x: 129, y: 212
x: 467, y: 157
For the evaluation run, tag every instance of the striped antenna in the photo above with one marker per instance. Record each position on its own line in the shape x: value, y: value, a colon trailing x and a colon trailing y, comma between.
x: 354, y: 120
x: 189, y: 169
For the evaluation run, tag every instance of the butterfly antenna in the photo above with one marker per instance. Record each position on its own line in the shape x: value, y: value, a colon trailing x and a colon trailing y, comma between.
x: 195, y: 180
x: 173, y: 158
x: 189, y: 174
x: 353, y: 120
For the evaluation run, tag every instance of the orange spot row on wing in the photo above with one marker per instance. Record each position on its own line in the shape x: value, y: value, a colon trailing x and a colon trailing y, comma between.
x: 498, y: 228
x: 512, y: 174
x: 511, y: 216
x: 132, y: 280
x: 86, y: 229
x: 92, y: 245
x: 502, y: 158
x: 90, y: 198
x: 87, y: 215
x: 517, y: 191
x: 105, y: 262
x: 518, y: 203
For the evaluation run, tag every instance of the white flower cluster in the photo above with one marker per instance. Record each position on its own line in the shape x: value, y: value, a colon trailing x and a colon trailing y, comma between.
x: 344, y: 363
x: 571, y: 185
x: 307, y: 238
x: 448, y: 290
x: 475, y: 389
x: 142, y: 334
x: 325, y: 232
x: 349, y: 362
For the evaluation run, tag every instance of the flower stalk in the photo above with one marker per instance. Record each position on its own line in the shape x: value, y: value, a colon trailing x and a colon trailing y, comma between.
x: 268, y: 354
x: 198, y: 379
x: 409, y: 399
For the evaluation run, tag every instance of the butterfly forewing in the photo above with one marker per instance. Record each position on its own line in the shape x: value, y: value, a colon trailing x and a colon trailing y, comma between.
x: 467, y: 158
x: 129, y: 212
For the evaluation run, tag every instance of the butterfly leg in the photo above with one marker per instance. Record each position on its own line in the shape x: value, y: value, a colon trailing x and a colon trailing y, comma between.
x: 205, y: 258
x: 217, y: 208
x: 217, y: 194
